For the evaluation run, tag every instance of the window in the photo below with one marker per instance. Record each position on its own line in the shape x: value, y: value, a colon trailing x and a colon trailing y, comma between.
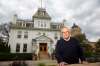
x: 38, y: 23
x: 23, y: 24
x: 56, y: 36
x: 38, y: 12
x: 19, y: 34
x: 43, y: 13
x: 28, y: 25
x: 41, y: 25
x: 44, y: 24
x: 17, y: 47
x: 24, y: 47
x: 19, y: 23
x: 25, y: 34
x: 54, y: 26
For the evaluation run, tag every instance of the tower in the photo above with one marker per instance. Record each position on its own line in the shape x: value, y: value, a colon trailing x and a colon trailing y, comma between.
x: 41, y: 18
x: 14, y: 18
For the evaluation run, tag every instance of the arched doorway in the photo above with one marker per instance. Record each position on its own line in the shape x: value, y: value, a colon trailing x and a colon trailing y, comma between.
x: 43, y: 42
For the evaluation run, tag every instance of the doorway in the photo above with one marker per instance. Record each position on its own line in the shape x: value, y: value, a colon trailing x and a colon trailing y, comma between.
x: 43, y: 48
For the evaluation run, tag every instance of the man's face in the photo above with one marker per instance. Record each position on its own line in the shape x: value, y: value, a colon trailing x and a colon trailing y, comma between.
x: 65, y: 33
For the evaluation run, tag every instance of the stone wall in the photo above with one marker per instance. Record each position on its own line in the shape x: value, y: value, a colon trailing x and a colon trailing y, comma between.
x: 89, y: 64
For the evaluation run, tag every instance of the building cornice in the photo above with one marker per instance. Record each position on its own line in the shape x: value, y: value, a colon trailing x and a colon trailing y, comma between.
x: 31, y: 28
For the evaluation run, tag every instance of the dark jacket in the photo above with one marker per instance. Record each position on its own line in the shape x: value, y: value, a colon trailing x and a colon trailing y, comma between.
x: 69, y: 51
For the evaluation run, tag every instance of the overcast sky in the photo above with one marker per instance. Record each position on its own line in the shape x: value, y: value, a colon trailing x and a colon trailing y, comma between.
x: 85, y: 13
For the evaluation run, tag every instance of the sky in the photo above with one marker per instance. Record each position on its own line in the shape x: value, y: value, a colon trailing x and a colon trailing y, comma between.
x: 85, y: 13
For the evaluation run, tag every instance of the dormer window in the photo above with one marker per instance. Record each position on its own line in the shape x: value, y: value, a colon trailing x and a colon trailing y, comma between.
x: 43, y: 13
x: 39, y: 12
x: 19, y: 23
x: 27, y: 24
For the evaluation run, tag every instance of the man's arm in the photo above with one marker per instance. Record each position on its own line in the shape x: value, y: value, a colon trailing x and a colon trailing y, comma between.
x: 81, y: 54
x: 58, y: 53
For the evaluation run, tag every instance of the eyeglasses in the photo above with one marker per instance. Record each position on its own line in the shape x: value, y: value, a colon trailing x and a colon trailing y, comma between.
x: 66, y: 32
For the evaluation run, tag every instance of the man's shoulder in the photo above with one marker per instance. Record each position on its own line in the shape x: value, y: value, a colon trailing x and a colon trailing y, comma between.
x: 59, y: 41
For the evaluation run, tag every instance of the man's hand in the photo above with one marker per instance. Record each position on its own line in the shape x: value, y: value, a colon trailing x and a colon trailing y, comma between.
x: 62, y: 64
x: 84, y: 62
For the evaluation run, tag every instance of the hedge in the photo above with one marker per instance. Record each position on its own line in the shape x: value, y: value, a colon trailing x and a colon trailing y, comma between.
x: 15, y: 56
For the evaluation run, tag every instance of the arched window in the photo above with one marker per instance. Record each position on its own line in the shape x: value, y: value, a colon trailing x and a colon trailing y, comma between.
x: 25, y: 47
x: 17, y: 47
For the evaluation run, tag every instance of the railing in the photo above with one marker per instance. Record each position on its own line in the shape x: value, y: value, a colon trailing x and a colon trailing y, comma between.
x: 32, y: 28
x: 89, y: 64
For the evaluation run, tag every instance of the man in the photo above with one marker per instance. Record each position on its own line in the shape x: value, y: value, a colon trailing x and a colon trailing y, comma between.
x: 68, y: 50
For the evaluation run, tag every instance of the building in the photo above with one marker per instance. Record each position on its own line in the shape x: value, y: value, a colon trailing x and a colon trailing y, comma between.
x: 75, y: 30
x: 38, y: 35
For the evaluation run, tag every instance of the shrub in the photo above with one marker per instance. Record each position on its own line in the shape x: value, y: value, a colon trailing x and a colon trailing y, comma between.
x: 41, y: 64
x: 15, y: 56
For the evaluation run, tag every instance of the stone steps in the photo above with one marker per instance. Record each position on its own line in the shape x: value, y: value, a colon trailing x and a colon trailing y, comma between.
x: 46, y: 62
x: 44, y: 56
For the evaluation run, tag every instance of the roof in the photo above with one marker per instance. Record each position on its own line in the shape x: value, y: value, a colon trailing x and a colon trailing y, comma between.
x: 41, y: 13
x: 43, y: 37
x: 24, y: 20
x: 75, y: 26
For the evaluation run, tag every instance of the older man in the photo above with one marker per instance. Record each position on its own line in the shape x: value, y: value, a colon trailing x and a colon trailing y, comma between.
x: 68, y: 50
